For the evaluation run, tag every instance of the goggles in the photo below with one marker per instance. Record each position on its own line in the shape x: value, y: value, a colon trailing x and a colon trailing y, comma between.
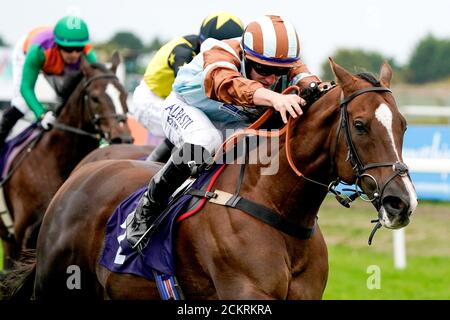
x: 266, y: 71
x: 71, y: 49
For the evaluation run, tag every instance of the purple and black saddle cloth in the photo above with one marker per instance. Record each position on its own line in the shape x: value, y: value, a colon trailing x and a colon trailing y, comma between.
x: 14, y: 146
x: 118, y: 256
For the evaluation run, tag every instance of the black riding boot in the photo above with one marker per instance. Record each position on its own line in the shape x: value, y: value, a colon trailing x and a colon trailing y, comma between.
x: 9, y: 119
x: 162, y: 152
x: 179, y: 167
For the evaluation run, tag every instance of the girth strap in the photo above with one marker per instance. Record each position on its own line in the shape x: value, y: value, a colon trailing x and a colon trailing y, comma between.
x: 270, y: 217
x: 257, y: 211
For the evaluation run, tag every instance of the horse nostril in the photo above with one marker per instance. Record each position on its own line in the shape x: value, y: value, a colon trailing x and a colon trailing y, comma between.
x: 395, y: 205
x: 122, y: 139
x: 116, y: 140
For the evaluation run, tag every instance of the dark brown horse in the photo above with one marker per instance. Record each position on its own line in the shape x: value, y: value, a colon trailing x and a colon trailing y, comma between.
x: 96, y: 108
x: 222, y: 252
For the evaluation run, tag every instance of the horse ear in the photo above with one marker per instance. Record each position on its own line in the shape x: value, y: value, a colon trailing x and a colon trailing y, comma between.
x: 86, y: 67
x: 385, y: 75
x: 344, y: 78
x: 115, y: 61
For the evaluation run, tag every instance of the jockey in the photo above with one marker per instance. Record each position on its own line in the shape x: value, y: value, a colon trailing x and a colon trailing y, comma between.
x: 54, y: 51
x: 222, y: 88
x: 157, y: 83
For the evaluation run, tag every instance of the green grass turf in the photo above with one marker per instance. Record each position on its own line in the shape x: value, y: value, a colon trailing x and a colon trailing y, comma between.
x: 349, y: 278
x: 427, y: 274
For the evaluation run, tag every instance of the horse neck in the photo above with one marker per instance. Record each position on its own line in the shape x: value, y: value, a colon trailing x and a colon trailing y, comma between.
x: 310, y: 145
x: 69, y: 148
x: 73, y: 111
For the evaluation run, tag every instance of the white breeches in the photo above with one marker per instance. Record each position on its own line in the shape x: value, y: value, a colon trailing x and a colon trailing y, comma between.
x: 147, y: 109
x: 18, y: 59
x: 183, y: 123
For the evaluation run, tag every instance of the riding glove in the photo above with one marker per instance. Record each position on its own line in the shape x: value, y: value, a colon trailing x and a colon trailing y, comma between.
x: 47, y: 120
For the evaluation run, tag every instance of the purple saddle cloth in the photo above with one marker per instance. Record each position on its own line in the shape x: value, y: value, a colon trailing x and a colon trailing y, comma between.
x: 118, y: 256
x: 14, y: 146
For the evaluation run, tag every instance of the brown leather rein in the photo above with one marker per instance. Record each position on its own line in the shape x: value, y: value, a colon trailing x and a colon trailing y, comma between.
x: 253, y: 130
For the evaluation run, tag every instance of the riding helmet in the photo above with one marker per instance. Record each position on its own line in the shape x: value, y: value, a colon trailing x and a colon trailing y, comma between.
x: 272, y: 41
x: 221, y: 25
x: 71, y: 31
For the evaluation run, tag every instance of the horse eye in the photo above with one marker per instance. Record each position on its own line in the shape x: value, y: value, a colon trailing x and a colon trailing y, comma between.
x: 95, y: 99
x: 359, y: 126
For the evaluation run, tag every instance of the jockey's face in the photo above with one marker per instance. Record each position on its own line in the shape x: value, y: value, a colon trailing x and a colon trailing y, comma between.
x: 266, y: 81
x: 264, y: 74
x: 71, y: 55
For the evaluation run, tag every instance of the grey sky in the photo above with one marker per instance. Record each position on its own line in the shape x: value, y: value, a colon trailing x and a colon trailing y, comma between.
x: 391, y: 27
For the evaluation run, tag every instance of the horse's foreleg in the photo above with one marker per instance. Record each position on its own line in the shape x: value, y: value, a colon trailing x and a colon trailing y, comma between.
x: 31, y: 234
x: 120, y: 286
x: 242, y: 290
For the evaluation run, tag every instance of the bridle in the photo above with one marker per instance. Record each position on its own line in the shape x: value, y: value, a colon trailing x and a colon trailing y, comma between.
x: 399, y: 168
x: 94, y: 118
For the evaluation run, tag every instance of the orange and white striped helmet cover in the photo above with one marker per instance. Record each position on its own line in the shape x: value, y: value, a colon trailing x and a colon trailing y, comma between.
x: 271, y: 40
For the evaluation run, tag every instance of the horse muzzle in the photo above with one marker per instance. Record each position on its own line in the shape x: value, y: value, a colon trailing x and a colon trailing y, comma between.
x: 397, y: 198
x: 394, y: 212
x: 127, y: 139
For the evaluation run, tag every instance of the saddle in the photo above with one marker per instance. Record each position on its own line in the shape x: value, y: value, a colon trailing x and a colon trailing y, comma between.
x: 118, y: 256
x: 29, y: 136
x: 8, y: 164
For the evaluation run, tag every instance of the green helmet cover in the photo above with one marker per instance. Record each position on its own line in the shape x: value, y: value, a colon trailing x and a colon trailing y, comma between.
x: 71, y: 31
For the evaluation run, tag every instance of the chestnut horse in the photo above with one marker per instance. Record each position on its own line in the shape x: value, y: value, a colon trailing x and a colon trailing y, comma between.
x: 95, y: 108
x: 353, y: 133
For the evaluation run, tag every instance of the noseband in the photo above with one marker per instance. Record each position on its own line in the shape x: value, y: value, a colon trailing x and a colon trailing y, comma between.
x: 399, y: 168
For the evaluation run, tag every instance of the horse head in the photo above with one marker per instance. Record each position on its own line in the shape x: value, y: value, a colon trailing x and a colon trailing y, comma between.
x: 368, y: 145
x: 103, y: 104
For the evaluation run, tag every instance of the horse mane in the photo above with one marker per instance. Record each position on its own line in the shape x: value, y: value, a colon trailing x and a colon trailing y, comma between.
x: 73, y: 81
x: 100, y: 66
x: 369, y: 77
x: 69, y: 86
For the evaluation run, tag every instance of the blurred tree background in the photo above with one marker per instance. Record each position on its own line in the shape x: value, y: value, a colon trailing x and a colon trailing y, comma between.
x: 356, y: 61
x: 429, y: 62
x: 135, y: 54
x: 130, y: 46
